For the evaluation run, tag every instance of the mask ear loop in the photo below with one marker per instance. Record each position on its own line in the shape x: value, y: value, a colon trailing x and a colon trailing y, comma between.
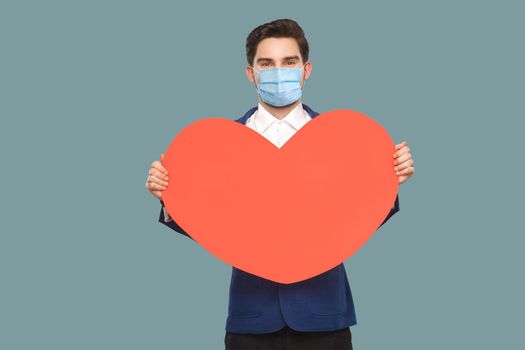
x: 304, y: 80
x: 254, y: 80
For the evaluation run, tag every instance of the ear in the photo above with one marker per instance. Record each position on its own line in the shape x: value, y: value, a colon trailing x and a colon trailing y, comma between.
x: 249, y: 73
x: 307, y: 70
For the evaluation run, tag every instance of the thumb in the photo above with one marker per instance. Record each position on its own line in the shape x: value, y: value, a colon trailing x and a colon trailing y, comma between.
x: 162, y: 156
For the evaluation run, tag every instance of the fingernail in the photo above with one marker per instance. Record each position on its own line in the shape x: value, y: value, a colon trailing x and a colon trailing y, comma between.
x: 395, y: 168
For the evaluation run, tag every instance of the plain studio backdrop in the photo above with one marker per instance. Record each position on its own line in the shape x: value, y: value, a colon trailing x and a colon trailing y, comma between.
x: 92, y: 92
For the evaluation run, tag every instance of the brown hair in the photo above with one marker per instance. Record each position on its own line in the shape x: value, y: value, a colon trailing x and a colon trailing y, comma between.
x: 280, y: 28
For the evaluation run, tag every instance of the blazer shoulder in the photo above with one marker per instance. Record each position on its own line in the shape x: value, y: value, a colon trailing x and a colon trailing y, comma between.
x: 246, y: 115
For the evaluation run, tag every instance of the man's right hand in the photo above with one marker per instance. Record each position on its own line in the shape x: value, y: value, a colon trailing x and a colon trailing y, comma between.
x: 157, y: 180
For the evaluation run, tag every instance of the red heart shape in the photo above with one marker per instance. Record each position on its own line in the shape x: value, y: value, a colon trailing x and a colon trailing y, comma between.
x: 283, y: 214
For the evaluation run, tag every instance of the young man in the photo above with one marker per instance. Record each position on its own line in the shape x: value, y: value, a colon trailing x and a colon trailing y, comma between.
x: 315, y: 313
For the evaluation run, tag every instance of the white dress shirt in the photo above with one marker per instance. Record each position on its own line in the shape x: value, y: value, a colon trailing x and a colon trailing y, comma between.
x: 275, y: 130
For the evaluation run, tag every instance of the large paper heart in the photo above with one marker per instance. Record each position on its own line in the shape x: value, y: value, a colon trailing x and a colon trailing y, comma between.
x: 285, y: 214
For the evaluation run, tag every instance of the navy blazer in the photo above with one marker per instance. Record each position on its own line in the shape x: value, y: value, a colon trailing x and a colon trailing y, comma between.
x: 258, y: 305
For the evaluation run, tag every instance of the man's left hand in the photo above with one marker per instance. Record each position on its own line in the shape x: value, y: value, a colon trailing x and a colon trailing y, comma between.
x: 403, y: 162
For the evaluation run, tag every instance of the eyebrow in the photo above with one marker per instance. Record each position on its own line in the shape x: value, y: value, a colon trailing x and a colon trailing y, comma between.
x: 260, y: 59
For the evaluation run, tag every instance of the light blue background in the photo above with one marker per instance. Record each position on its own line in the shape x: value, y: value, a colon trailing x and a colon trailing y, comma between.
x: 91, y: 92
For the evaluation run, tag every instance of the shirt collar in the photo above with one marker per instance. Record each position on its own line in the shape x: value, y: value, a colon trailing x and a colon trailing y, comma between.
x: 297, y: 117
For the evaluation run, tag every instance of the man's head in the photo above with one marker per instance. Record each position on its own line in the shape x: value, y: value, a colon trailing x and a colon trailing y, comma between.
x: 277, y: 44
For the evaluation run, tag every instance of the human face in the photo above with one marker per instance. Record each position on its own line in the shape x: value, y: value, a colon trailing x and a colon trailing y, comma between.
x: 278, y: 53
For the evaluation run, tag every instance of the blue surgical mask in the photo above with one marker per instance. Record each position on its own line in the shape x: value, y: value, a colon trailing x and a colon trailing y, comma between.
x: 280, y: 86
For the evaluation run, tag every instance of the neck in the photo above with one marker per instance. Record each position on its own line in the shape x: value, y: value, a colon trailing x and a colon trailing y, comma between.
x: 279, y: 112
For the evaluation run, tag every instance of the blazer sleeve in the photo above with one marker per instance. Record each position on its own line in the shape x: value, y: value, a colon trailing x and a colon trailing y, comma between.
x: 171, y: 224
x: 394, y: 210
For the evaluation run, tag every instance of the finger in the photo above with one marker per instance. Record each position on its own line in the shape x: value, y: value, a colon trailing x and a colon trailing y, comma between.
x: 157, y: 180
x: 399, y: 145
x: 401, y: 151
x: 404, y: 165
x: 407, y: 171
x: 158, y: 165
x: 402, y: 158
x: 153, y: 186
x: 157, y: 177
x: 156, y: 173
x: 155, y: 193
